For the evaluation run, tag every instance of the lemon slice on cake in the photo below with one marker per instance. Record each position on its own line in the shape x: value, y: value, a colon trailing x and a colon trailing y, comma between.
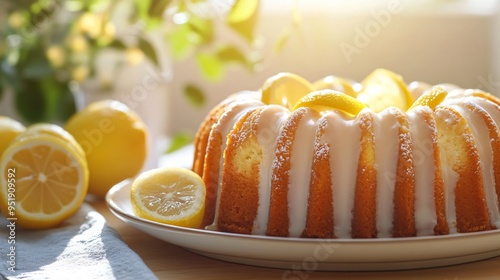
x: 382, y: 89
x: 169, y: 195
x: 337, y: 83
x: 327, y: 99
x: 285, y: 89
x: 431, y: 98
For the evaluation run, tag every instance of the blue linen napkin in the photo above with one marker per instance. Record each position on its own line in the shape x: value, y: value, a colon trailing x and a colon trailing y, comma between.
x: 83, y: 247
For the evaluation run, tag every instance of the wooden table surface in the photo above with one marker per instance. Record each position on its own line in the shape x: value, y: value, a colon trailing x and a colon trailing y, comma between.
x: 172, y: 262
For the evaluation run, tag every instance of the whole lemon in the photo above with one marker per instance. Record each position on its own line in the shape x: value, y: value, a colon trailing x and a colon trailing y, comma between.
x: 9, y: 129
x: 114, y: 140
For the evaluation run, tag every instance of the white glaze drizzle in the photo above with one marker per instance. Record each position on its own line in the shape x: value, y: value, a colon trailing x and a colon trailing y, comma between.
x: 271, y: 120
x: 450, y: 179
x: 342, y: 135
x: 424, y: 168
x: 300, y: 172
x: 386, y: 137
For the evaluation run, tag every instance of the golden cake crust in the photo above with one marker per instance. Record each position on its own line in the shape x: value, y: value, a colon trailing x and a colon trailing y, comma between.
x: 455, y: 139
x: 239, y: 197
x: 319, y: 223
x: 404, y: 190
x: 364, y: 220
x: 230, y: 154
x: 278, y: 223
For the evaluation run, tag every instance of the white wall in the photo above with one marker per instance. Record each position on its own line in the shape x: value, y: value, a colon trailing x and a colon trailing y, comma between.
x: 432, y: 41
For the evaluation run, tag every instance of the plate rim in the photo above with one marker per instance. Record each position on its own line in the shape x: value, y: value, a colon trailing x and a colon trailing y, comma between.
x: 112, y: 206
x: 342, y: 265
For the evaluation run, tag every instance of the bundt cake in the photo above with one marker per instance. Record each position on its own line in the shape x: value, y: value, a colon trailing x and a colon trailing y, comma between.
x: 296, y: 159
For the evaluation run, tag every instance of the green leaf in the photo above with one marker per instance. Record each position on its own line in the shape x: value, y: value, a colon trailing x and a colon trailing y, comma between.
x: 44, y: 100
x: 37, y: 67
x: 202, y: 27
x: 179, y: 140
x: 194, y: 95
x: 142, y: 8
x: 149, y: 51
x: 66, y: 106
x: 210, y: 65
x: 56, y: 95
x: 157, y: 8
x: 30, y: 103
x: 296, y: 17
x: 51, y: 92
x: 180, y: 43
x: 230, y: 53
x: 282, y: 40
x: 243, y: 17
x: 117, y: 44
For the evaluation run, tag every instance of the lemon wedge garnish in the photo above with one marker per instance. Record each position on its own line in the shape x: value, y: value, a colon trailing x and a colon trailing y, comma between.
x: 382, y: 89
x: 169, y: 195
x: 336, y: 83
x: 285, y: 89
x: 431, y: 98
x: 327, y: 99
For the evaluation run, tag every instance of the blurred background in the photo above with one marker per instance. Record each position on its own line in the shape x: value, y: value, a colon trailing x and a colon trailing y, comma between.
x: 172, y: 61
x: 432, y: 41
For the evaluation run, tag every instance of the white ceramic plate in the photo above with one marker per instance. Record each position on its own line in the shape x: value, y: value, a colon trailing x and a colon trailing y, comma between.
x: 314, y: 254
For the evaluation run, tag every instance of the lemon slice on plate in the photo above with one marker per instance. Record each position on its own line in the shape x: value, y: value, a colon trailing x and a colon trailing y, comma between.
x: 169, y: 195
x: 327, y: 99
x: 431, y: 98
x: 45, y: 176
x: 285, y: 89
x: 382, y: 89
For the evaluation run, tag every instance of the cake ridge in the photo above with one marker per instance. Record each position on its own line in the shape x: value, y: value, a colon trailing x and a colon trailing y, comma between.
x: 322, y: 173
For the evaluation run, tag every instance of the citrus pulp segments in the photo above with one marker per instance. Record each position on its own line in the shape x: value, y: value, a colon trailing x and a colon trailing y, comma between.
x: 56, y: 131
x: 45, y: 159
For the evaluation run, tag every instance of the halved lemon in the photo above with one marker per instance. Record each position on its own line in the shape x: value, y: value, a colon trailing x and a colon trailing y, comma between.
x: 431, y: 98
x: 43, y: 180
x: 382, y: 89
x: 327, y: 99
x: 169, y: 195
x: 56, y: 131
x: 9, y: 129
x: 285, y: 89
x: 336, y: 83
